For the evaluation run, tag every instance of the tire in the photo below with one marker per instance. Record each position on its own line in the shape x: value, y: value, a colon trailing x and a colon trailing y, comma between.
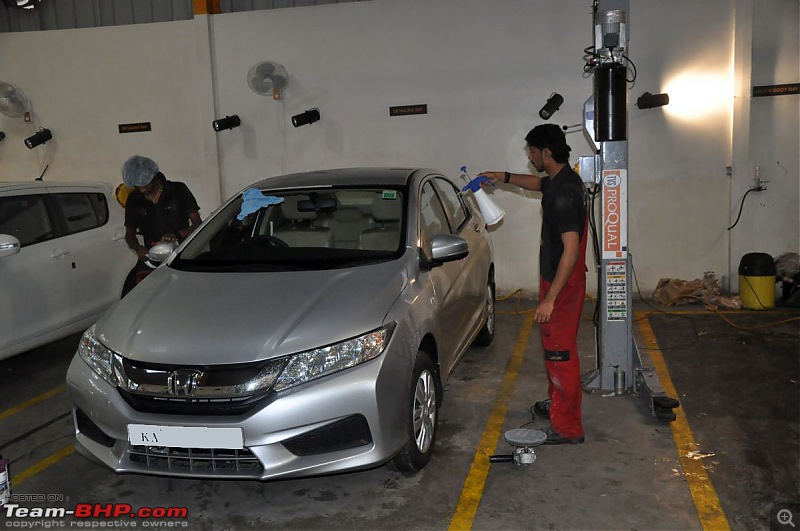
x: 486, y: 335
x: 422, y: 418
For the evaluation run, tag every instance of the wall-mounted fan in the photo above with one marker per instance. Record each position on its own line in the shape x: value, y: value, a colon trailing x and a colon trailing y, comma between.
x: 13, y: 102
x: 267, y: 79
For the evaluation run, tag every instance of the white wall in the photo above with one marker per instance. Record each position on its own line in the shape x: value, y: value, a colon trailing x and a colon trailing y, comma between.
x: 85, y: 82
x: 484, y: 68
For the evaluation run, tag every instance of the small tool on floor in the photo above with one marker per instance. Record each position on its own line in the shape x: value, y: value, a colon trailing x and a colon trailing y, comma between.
x: 523, y: 441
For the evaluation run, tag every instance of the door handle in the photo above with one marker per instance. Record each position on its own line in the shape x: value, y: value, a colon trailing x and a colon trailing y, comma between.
x: 476, y: 227
x: 57, y: 253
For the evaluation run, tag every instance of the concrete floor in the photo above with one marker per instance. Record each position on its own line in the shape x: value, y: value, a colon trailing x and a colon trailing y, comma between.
x: 743, y: 407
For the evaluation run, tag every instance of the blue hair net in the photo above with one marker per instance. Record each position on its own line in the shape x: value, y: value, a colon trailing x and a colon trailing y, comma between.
x: 138, y: 171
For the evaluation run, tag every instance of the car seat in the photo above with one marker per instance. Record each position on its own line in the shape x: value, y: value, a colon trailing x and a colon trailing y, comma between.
x: 385, y: 236
x: 301, y: 231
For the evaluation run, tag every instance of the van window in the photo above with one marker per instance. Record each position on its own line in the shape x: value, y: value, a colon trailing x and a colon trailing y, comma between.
x: 25, y: 217
x: 83, y: 211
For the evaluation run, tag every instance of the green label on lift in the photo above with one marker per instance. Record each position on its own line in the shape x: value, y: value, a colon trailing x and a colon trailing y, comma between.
x: 389, y: 194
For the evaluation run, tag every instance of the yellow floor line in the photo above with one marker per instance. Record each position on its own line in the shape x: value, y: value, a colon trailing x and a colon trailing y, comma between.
x: 473, y: 486
x: 33, y: 401
x: 49, y: 461
x: 706, y: 501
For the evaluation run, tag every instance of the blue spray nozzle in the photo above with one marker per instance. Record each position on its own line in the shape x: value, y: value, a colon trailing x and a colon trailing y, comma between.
x: 463, y: 169
x: 475, y: 184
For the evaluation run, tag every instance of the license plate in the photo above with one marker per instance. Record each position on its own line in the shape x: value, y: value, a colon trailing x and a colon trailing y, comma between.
x: 185, y: 436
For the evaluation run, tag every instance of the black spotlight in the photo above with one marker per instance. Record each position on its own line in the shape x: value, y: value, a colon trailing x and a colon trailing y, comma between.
x: 39, y: 138
x: 649, y: 101
x: 308, y: 117
x: 553, y: 104
x: 229, y: 122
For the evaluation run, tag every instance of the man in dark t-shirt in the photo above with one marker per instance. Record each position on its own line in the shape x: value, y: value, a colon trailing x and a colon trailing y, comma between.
x: 562, y: 275
x: 158, y: 209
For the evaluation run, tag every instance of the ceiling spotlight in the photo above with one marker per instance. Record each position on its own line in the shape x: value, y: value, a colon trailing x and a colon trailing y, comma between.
x: 649, y: 101
x: 308, y: 117
x: 39, y: 138
x: 553, y: 104
x: 229, y: 122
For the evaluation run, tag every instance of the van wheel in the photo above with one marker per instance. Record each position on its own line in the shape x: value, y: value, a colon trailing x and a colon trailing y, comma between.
x: 486, y: 335
x: 422, y: 417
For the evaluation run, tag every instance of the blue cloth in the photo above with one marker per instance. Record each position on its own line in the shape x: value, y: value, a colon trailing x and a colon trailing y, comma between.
x: 253, y: 199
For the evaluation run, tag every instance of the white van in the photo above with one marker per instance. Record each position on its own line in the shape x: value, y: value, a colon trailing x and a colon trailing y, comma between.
x: 63, y: 260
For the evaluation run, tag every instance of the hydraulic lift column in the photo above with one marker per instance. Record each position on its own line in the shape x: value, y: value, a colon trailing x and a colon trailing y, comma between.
x: 620, y: 367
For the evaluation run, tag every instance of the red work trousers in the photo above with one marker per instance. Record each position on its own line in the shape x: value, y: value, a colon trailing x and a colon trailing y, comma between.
x: 560, y: 343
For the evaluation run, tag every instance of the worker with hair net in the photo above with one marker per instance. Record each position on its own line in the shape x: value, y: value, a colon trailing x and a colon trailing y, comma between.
x: 158, y: 209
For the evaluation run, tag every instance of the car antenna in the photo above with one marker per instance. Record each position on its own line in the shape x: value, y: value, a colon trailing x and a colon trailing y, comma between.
x: 39, y: 178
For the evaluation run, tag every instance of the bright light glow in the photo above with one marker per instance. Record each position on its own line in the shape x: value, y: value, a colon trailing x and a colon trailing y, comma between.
x: 696, y: 95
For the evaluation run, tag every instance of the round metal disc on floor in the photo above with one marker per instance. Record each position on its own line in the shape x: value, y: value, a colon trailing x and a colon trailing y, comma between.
x: 525, y: 437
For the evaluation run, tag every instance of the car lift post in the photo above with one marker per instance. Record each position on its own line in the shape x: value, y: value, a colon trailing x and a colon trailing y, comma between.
x: 620, y: 366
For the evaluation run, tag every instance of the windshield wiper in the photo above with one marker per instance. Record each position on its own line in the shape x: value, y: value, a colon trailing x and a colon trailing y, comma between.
x: 234, y: 266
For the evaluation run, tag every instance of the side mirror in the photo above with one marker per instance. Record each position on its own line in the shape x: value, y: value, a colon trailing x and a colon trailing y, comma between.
x: 161, y: 251
x: 447, y: 248
x: 9, y: 245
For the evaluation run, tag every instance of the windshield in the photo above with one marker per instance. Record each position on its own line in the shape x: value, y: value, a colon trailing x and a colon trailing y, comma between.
x: 289, y: 230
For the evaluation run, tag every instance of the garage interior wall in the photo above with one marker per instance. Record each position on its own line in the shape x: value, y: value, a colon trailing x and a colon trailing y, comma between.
x: 483, y: 68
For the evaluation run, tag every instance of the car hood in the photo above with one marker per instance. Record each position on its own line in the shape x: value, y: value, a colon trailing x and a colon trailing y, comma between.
x: 200, y: 318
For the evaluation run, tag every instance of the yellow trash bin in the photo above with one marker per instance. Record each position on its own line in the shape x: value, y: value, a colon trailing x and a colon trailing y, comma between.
x: 757, y: 281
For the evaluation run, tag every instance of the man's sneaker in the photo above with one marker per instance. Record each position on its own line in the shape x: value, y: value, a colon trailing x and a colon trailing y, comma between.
x: 555, y: 438
x: 542, y: 408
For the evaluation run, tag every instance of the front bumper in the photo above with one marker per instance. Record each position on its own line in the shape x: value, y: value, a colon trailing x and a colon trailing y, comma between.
x: 350, y: 420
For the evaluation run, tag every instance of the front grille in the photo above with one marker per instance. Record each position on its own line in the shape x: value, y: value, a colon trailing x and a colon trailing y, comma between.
x: 196, y: 390
x: 190, y: 406
x: 198, y: 460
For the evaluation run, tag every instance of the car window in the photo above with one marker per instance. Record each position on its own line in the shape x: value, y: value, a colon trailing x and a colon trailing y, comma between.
x: 433, y: 219
x: 452, y: 202
x: 25, y: 217
x: 83, y: 211
x: 322, y: 228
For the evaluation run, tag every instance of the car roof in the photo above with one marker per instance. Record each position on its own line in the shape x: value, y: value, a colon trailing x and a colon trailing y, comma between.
x: 343, y: 177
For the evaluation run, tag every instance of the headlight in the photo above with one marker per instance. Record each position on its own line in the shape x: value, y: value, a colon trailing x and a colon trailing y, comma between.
x: 102, y: 360
x: 323, y: 361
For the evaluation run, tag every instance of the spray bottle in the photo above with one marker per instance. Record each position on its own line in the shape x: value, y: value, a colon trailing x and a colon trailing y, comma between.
x: 491, y: 212
x: 5, y: 482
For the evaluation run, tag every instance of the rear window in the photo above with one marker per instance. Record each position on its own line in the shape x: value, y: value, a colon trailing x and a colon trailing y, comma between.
x: 83, y: 211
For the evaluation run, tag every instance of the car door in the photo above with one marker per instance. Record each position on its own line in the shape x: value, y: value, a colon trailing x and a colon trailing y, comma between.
x: 34, y: 283
x: 95, y: 237
x: 433, y: 220
x: 472, y: 275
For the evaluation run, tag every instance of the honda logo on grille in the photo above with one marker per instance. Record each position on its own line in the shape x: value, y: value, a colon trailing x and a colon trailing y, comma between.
x: 184, y: 382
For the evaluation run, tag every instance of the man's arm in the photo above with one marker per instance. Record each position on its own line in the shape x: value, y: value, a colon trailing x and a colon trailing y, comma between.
x: 194, y: 222
x: 133, y: 242
x: 523, y: 180
x: 566, y: 265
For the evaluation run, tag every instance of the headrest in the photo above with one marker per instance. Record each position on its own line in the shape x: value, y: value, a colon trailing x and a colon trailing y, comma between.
x: 290, y: 211
x: 348, y: 215
x: 386, y: 209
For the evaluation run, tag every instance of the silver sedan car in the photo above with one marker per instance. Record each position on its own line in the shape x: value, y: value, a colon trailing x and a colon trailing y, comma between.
x: 307, y: 327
